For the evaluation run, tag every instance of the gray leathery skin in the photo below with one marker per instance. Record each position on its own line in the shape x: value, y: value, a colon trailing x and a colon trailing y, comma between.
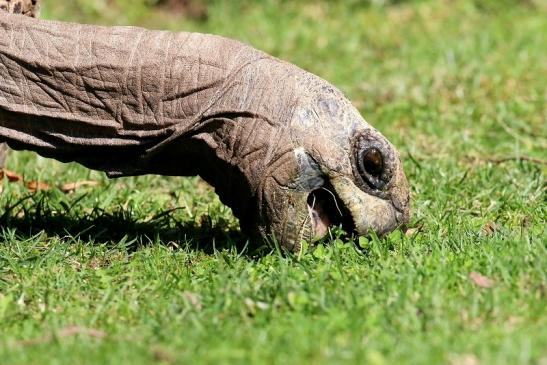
x: 29, y: 8
x: 130, y: 101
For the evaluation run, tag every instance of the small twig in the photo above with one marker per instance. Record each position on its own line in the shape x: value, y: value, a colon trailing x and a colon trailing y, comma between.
x: 521, y: 158
x: 63, y: 333
x: 501, y: 160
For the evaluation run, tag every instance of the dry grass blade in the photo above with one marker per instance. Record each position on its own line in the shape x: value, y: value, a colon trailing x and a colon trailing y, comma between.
x: 500, y: 160
x: 34, y: 186
x: 69, y: 331
x: 70, y: 187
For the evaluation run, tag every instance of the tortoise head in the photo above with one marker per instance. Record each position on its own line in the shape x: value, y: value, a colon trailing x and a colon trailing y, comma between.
x: 344, y: 173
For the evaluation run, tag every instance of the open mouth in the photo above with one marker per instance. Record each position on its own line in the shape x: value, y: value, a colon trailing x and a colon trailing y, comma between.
x: 326, y: 211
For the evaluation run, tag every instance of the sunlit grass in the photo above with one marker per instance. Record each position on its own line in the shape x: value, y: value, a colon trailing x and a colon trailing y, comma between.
x: 154, y: 269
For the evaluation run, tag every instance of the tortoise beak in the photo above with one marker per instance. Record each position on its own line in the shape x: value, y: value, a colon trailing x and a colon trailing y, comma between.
x: 344, y: 204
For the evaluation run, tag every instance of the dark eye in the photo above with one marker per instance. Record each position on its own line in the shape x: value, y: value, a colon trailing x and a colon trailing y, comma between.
x: 371, y: 166
x: 373, y: 162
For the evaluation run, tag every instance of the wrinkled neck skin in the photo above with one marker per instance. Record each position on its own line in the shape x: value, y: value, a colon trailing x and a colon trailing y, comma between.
x: 129, y: 101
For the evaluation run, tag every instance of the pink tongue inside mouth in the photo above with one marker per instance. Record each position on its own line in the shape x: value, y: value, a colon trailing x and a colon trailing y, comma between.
x: 319, y: 220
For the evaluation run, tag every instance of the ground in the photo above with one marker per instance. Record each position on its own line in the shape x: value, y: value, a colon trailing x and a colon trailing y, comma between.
x: 153, y: 269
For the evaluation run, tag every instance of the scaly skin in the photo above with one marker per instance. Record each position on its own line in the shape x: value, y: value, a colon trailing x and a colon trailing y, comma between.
x: 283, y: 148
x: 26, y: 7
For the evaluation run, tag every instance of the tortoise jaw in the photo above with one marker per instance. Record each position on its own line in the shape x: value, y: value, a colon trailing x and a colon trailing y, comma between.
x: 340, y: 203
x: 326, y: 210
x: 370, y: 213
x: 320, y: 222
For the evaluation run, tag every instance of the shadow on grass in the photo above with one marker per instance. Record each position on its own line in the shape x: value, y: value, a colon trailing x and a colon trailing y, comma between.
x: 27, y: 219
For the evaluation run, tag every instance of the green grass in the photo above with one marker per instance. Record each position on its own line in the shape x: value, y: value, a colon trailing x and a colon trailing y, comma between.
x: 158, y: 269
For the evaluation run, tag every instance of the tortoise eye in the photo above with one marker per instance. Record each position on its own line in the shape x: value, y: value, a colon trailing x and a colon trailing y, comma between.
x: 373, y: 162
x: 372, y: 167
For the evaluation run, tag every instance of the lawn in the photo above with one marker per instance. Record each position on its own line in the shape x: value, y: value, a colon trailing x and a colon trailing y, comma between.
x: 154, y: 269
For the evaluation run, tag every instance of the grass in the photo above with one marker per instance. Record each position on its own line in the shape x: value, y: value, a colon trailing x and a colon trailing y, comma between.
x: 154, y: 269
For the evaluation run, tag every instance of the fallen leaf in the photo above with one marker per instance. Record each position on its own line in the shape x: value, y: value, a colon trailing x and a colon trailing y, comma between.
x: 77, y: 330
x: 512, y: 321
x: 193, y: 299
x: 94, y: 264
x: 465, y: 359
x: 162, y: 356
x: 489, y: 228
x: 411, y: 232
x: 37, y: 185
x: 481, y: 280
x: 253, y: 306
x: 10, y: 175
x: 70, y: 187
